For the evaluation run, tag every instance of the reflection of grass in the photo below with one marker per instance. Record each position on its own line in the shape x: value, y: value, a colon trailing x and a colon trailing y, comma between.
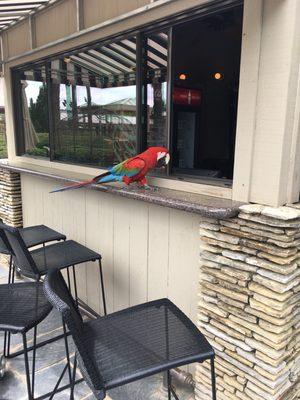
x: 105, y: 149
x: 40, y: 150
x: 3, y: 149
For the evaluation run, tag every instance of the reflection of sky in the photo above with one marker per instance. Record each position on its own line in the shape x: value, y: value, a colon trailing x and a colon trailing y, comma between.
x: 150, y: 93
x: 32, y: 90
x: 99, y: 96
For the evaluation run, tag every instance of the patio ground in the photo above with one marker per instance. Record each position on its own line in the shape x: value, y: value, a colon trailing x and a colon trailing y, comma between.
x: 50, y: 361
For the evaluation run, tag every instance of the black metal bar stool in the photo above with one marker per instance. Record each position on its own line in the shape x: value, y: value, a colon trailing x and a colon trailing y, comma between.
x: 131, y: 344
x: 36, y: 263
x: 32, y: 236
x: 22, y: 307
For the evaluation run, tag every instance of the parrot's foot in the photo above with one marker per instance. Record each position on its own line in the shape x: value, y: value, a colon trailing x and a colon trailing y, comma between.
x: 147, y: 187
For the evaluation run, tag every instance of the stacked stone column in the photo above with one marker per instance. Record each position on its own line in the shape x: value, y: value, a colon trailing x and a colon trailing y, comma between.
x: 10, y: 200
x: 249, y: 304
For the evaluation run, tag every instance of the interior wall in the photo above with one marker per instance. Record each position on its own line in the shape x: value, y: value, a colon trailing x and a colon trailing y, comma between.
x: 149, y: 251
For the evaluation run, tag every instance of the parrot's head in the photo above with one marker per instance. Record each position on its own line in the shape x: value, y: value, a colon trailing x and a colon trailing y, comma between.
x: 162, y: 156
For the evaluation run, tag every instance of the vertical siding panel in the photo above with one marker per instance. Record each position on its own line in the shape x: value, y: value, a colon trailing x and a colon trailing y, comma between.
x: 93, y: 242
x: 52, y: 207
x: 158, y: 259
x: 33, y: 190
x: 122, y: 210
x: 99, y: 237
x: 73, y: 206
x: 106, y: 242
x: 183, y: 262
x: 26, y: 194
x: 138, y: 248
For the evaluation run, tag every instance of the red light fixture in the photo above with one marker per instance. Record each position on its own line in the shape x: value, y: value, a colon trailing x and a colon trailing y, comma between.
x: 182, y: 77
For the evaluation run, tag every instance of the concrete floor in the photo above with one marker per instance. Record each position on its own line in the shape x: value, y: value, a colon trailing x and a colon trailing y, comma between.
x: 50, y: 361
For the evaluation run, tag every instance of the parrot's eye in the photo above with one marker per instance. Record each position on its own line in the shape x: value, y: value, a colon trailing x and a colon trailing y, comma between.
x: 161, y: 155
x: 163, y: 159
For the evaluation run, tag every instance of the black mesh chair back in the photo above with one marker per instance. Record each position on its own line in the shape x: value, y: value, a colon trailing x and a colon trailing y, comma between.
x: 21, y: 256
x: 59, y: 296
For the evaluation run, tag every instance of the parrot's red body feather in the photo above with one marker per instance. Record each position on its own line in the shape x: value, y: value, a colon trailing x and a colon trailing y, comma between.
x: 132, y: 170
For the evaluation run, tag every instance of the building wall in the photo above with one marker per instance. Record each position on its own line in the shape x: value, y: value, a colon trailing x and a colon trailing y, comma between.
x: 148, y: 251
x: 61, y: 18
x: 267, y: 152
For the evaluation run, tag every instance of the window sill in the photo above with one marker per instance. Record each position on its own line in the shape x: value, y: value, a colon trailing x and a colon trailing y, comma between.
x: 207, y: 206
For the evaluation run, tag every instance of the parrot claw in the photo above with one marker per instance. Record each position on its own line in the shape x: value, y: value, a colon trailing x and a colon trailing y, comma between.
x: 147, y: 187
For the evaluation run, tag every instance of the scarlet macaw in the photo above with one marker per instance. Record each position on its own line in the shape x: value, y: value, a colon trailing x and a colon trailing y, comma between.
x: 133, y: 169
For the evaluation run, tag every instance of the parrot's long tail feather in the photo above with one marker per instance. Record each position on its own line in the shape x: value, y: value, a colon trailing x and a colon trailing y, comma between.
x: 80, y: 184
x: 75, y: 186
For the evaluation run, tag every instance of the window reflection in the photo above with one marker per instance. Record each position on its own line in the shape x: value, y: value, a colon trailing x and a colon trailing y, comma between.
x: 95, y: 120
x: 35, y: 114
x: 156, y: 75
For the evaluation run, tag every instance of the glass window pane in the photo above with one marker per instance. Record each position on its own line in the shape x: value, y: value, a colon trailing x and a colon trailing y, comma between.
x: 34, y: 96
x: 206, y: 62
x: 156, y: 76
x: 94, y: 95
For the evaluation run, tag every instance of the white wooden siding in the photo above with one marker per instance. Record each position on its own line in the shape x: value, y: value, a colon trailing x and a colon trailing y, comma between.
x: 148, y: 251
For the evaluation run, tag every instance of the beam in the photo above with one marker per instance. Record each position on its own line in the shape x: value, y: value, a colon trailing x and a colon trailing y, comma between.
x: 32, y: 32
x: 79, y: 15
x: 18, y: 2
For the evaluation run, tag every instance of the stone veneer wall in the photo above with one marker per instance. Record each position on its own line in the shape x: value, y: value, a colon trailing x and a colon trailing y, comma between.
x: 249, y: 304
x: 10, y: 201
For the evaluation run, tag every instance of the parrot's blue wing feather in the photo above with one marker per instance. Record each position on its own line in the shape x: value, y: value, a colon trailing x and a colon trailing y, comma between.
x: 129, y: 168
x: 108, y: 178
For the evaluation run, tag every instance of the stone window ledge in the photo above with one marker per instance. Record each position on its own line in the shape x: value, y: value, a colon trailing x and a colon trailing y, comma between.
x: 206, y: 206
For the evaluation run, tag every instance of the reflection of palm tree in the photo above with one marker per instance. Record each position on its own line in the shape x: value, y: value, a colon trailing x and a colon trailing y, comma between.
x: 30, y: 135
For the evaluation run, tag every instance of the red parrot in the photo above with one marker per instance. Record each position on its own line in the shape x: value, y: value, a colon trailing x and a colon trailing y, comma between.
x: 133, y: 169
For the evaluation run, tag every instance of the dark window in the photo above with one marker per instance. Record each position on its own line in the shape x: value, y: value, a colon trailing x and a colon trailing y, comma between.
x: 176, y: 86
x: 206, y: 61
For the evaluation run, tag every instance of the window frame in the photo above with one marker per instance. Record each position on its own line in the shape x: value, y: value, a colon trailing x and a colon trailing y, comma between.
x: 140, y: 33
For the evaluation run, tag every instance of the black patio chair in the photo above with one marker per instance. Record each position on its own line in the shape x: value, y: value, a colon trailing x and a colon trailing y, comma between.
x: 32, y: 236
x: 36, y: 263
x: 22, y: 307
x: 131, y: 344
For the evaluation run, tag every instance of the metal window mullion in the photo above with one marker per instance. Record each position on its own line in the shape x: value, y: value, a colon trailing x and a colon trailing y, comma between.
x: 170, y: 98
x: 50, y: 111
x: 18, y: 113
x: 141, y: 94
x: 79, y: 15
x: 32, y: 32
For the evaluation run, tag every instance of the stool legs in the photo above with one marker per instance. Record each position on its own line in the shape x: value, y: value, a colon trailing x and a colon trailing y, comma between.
x: 27, y: 367
x: 102, y: 288
x: 213, y: 379
x: 75, y: 285
x: 169, y: 385
x: 171, y: 391
x: 11, y: 278
x: 33, y: 361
